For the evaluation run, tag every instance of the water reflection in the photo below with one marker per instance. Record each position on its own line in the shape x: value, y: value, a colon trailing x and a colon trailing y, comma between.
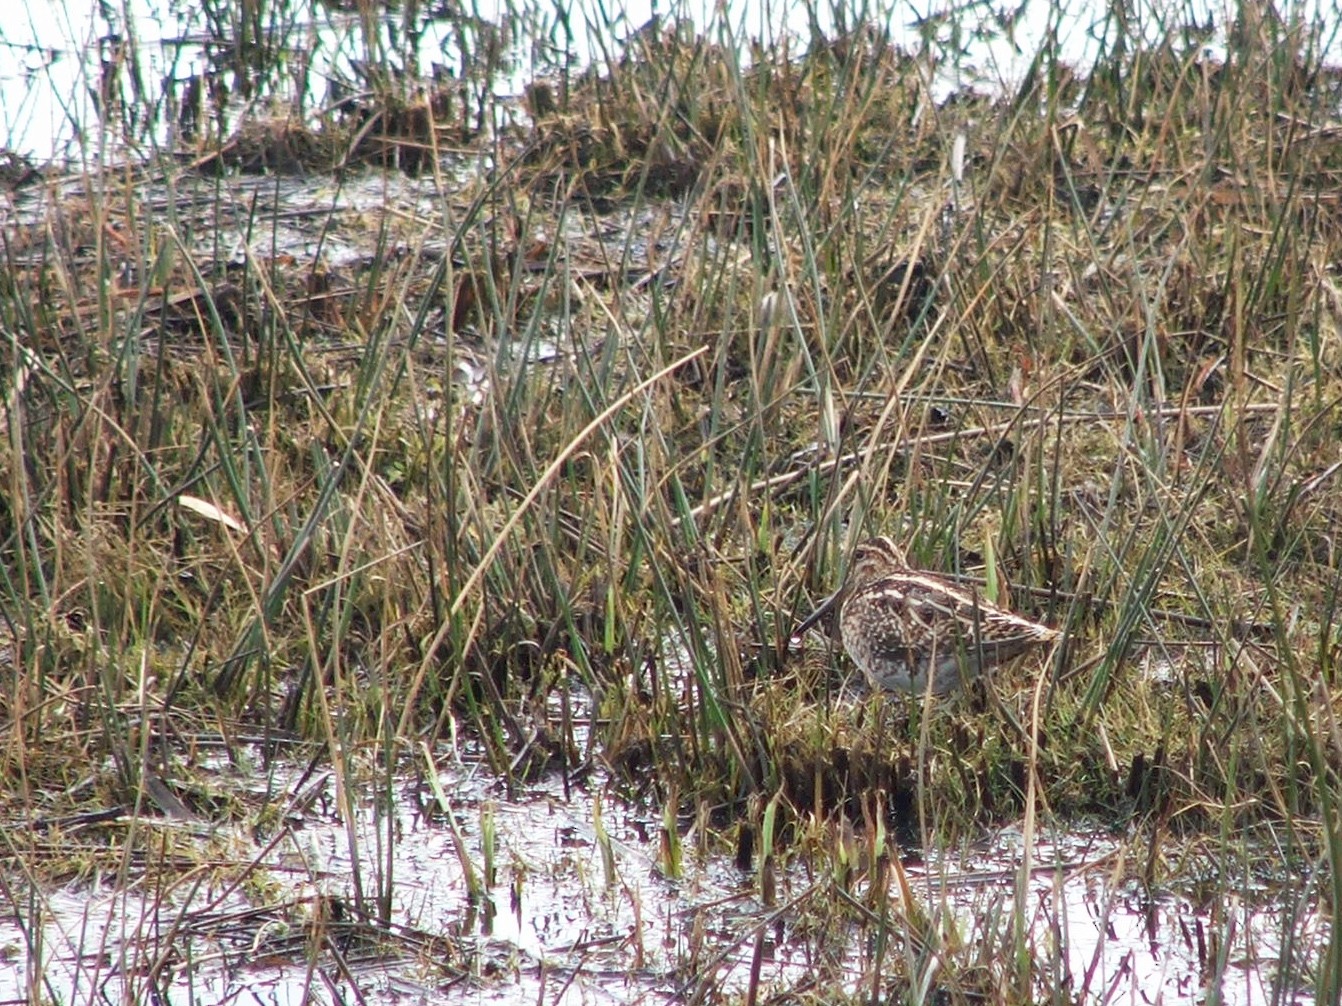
x: 582, y: 913
x: 88, y: 82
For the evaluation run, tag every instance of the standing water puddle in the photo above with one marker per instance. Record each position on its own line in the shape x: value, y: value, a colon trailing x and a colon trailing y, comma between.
x: 273, y: 916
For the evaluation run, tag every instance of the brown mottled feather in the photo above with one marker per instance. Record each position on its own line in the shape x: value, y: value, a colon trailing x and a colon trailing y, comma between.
x: 900, y: 625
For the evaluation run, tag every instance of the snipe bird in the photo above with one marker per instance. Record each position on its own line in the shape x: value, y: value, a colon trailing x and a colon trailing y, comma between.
x: 901, y: 625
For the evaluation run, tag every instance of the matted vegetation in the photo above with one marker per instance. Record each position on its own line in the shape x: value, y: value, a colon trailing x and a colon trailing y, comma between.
x: 561, y: 459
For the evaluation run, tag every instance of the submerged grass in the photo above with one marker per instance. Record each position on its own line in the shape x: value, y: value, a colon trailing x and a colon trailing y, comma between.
x: 594, y: 421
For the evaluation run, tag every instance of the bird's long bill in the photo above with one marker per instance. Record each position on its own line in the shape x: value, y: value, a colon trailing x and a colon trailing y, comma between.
x: 811, y: 620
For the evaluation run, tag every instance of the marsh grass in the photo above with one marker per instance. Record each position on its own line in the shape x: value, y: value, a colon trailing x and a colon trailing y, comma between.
x: 595, y: 425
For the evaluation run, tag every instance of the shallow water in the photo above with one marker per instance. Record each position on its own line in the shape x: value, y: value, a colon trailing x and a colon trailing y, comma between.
x: 58, y: 57
x: 271, y: 915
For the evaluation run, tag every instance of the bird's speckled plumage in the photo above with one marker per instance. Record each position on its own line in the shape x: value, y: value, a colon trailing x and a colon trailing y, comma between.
x: 900, y: 625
